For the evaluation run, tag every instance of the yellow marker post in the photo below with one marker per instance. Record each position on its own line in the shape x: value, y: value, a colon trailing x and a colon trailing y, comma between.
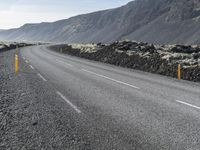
x: 179, y: 72
x: 16, y: 63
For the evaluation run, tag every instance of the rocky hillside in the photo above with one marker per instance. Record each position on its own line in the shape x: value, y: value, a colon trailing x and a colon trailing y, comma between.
x: 153, y: 21
x: 160, y: 59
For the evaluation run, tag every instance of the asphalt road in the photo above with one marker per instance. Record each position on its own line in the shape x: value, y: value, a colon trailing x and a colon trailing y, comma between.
x: 121, y: 108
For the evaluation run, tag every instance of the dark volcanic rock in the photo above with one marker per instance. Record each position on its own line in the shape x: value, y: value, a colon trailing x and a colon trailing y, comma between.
x: 185, y: 49
x: 4, y: 47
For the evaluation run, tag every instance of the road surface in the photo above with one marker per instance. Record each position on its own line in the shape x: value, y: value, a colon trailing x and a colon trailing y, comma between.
x: 121, y: 108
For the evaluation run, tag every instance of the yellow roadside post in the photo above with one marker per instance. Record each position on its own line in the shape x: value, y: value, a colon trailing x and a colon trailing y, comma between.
x: 179, y: 71
x: 16, y: 63
x: 16, y: 60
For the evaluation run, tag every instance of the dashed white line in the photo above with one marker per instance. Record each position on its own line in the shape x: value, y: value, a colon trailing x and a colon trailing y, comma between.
x: 190, y: 105
x: 117, y: 81
x: 72, y: 105
x: 32, y: 67
x: 41, y: 77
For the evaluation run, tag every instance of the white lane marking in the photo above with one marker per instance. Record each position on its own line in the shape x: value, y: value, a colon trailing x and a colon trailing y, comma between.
x: 32, y: 67
x: 72, y: 105
x: 41, y: 77
x: 64, y: 63
x: 188, y: 104
x: 110, y: 79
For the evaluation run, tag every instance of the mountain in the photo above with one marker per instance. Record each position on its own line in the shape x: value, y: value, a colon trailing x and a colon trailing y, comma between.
x: 154, y: 21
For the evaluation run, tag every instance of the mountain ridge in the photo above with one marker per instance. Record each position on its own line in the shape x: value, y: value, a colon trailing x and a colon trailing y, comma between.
x: 154, y: 21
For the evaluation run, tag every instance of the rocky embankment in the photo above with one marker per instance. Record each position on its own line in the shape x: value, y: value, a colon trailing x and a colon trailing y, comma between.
x: 160, y: 59
x: 9, y: 46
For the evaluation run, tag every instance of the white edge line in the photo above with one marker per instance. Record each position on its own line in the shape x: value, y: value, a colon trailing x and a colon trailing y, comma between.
x: 111, y: 79
x: 41, y: 77
x: 191, y: 105
x: 72, y: 105
x: 32, y: 67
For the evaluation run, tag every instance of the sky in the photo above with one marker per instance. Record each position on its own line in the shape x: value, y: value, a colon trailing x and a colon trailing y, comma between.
x: 15, y: 13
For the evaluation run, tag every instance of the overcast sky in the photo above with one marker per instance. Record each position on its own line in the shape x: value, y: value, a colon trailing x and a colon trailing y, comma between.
x: 15, y: 13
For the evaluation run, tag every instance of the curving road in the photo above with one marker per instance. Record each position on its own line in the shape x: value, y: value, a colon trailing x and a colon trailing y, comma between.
x: 121, y: 108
